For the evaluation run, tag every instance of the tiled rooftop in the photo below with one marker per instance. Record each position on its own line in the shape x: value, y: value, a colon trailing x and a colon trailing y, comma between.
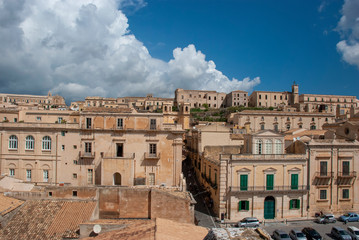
x: 7, y: 204
x: 39, y: 219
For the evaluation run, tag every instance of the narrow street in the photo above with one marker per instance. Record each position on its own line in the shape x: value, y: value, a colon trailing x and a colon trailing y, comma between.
x: 203, y: 213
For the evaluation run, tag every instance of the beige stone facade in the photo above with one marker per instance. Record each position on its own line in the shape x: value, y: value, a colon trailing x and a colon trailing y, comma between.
x: 269, y: 99
x: 237, y: 98
x: 95, y: 146
x: 140, y: 103
x: 264, y: 181
x: 43, y: 102
x: 281, y: 121
x: 332, y: 174
x: 196, y: 98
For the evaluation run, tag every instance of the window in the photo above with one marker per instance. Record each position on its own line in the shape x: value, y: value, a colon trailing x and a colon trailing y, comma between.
x: 346, y: 168
x: 12, y: 142
x: 119, y: 150
x: 294, y: 181
x: 258, y: 146
x: 262, y: 118
x: 153, y: 149
x: 89, y: 176
x: 323, y: 168
x: 75, y: 162
x: 12, y: 172
x: 88, y: 147
x: 323, y: 194
x: 209, y: 173
x: 312, y: 119
x: 276, y: 127
x: 260, y: 96
x: 262, y: 126
x: 151, y: 179
x: 268, y: 147
x: 278, y: 146
x: 153, y: 124
x: 288, y: 126
x: 46, y: 175
x: 120, y: 123
x: 28, y: 175
x: 74, y: 175
x: 15, y: 119
x: 244, y: 182
x: 46, y: 143
x: 294, y: 204
x: 59, y: 119
x: 243, y: 205
x: 345, y: 193
x: 266, y: 97
x: 74, y: 193
x: 270, y: 182
x: 275, y: 119
x: 88, y: 123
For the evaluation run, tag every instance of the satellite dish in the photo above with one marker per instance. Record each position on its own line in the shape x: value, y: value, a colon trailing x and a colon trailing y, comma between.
x: 294, y: 139
x: 97, y: 229
x: 298, y: 138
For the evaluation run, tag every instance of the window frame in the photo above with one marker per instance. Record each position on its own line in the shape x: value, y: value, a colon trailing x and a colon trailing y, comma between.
x: 29, y: 143
x: 46, y: 143
x: 243, y: 205
x: 13, y: 142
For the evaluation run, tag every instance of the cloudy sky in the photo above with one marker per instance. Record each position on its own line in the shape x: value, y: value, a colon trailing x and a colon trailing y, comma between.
x: 114, y: 48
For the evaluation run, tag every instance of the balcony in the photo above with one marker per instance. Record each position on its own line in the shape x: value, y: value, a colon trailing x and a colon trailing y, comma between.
x: 346, y: 178
x: 323, y: 175
x: 267, y: 190
x: 123, y: 157
x: 323, y: 178
x: 268, y: 157
x: 152, y: 156
x: 86, y: 154
x: 347, y: 174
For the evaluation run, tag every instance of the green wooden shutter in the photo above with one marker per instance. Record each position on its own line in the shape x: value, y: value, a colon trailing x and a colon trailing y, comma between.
x: 291, y: 204
x: 270, y: 182
x: 294, y: 181
x: 244, y: 182
x: 239, y: 205
x: 298, y: 203
x: 247, y: 205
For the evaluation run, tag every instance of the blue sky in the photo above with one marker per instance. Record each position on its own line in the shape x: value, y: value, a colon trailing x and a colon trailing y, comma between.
x: 116, y: 48
x: 279, y: 41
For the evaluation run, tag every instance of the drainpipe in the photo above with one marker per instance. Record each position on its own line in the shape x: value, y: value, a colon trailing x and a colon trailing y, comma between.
x: 56, y: 158
x: 308, y: 179
x: 331, y: 181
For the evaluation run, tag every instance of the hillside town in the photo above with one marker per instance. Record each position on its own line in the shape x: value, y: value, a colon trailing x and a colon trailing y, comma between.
x: 142, y: 167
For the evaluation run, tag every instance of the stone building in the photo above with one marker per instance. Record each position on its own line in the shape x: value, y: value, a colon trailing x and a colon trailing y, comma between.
x: 281, y: 121
x: 237, y: 98
x: 140, y: 103
x: 332, y: 174
x: 196, y: 98
x: 98, y: 145
x: 249, y: 175
x: 43, y: 102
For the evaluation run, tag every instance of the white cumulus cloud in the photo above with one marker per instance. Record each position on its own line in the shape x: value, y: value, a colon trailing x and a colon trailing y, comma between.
x: 348, y: 27
x: 85, y: 48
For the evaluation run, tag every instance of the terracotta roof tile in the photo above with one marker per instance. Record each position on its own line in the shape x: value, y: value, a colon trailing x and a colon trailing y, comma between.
x: 39, y: 219
x: 7, y: 204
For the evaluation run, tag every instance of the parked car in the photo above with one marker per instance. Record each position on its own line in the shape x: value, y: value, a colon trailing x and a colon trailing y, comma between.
x: 349, y: 217
x: 280, y: 235
x: 326, y: 218
x: 297, y: 235
x: 340, y: 233
x: 353, y: 232
x: 249, y: 222
x: 311, y: 233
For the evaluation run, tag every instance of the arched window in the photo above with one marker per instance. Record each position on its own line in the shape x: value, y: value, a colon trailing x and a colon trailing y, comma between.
x: 278, y: 146
x: 29, y: 143
x: 46, y: 143
x: 259, y: 147
x: 268, y: 146
x: 288, y: 119
x: 12, y: 142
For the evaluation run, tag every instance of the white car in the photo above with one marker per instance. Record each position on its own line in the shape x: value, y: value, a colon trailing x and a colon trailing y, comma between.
x: 297, y: 235
x: 353, y: 232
